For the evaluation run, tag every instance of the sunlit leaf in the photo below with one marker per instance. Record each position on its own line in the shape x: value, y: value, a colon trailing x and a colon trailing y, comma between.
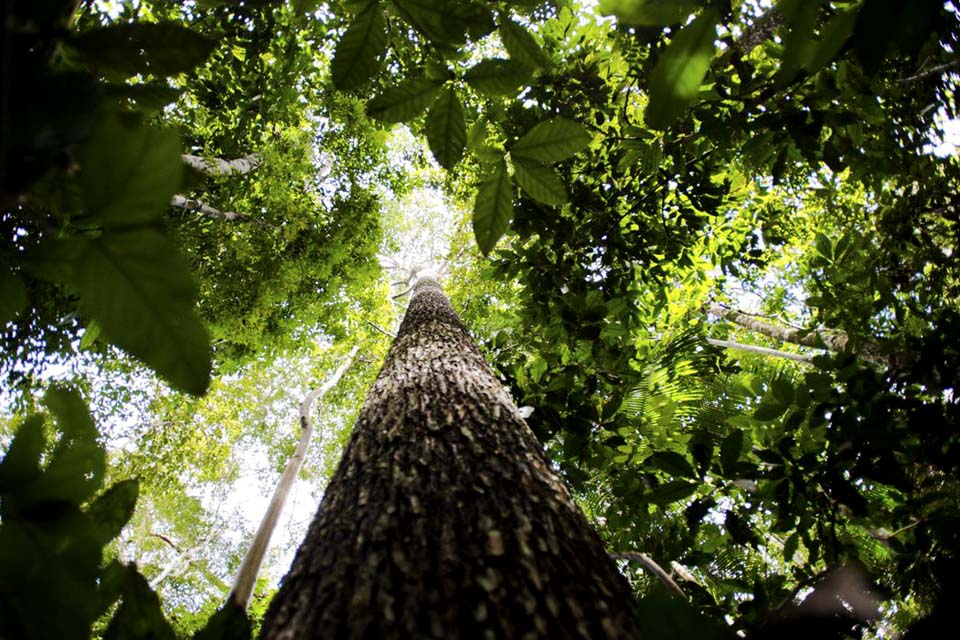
x: 521, y: 45
x: 551, y: 141
x: 675, y: 81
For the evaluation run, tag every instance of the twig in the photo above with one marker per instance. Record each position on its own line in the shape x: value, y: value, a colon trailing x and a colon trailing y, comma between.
x: 653, y: 568
x: 940, y: 68
x: 165, y: 539
x: 383, y: 331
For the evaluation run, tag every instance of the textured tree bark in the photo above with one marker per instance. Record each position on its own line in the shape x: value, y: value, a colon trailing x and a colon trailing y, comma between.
x: 444, y: 518
x: 220, y: 167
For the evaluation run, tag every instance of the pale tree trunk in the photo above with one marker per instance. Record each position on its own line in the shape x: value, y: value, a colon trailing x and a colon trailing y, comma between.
x: 821, y: 338
x: 219, y: 167
x: 250, y: 567
x: 444, y: 518
x: 182, y: 202
x: 763, y: 351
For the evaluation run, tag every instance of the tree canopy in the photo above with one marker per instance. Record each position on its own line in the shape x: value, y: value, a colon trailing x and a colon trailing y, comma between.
x: 710, y: 245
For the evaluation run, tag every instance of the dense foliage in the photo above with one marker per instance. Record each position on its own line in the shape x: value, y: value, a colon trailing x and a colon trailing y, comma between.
x: 651, y: 190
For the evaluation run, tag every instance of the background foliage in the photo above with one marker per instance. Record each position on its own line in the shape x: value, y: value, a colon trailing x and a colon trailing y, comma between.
x: 606, y: 185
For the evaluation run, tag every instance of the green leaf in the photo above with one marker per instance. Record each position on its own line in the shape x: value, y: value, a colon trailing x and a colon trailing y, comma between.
x: 730, y: 450
x: 134, y: 284
x: 446, y: 129
x: 159, y: 48
x: 768, y: 411
x: 498, y: 77
x: 671, y: 462
x: 128, y: 176
x: 405, y: 101
x: 522, y: 46
x: 551, y: 141
x: 663, y: 616
x: 148, y: 98
x: 782, y: 391
x: 139, y: 616
x: 360, y: 50
x: 649, y: 13
x: 539, y: 181
x: 493, y: 207
x: 670, y: 492
x: 230, y: 622
x: 13, y: 295
x: 78, y: 462
x: 21, y: 464
x: 824, y: 246
x: 113, y: 509
x: 675, y: 81
x: 90, y: 335
x: 832, y: 38
x: 445, y: 23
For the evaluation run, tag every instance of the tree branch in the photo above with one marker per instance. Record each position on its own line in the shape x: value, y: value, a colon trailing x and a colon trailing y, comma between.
x: 219, y: 167
x: 182, y: 202
x: 653, y: 568
x: 764, y: 351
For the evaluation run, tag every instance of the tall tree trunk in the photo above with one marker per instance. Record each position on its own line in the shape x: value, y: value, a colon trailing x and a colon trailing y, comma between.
x: 444, y: 518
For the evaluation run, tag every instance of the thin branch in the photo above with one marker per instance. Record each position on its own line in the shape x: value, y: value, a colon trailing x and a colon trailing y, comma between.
x: 764, y: 351
x: 250, y: 567
x: 186, y: 555
x: 383, y: 331
x: 653, y: 568
x: 940, y: 68
x: 170, y: 542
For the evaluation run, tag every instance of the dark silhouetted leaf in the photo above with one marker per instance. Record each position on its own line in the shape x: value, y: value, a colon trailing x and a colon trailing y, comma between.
x: 21, y: 464
x: 446, y: 129
x: 493, y: 208
x: 671, y: 462
x: 539, y: 181
x: 128, y: 176
x: 497, y: 77
x: 159, y: 48
x: 13, y: 295
x: 230, y: 622
x: 650, y: 12
x: 670, y: 492
x: 405, y: 101
x: 139, y: 616
x: 360, y: 50
x: 113, y: 509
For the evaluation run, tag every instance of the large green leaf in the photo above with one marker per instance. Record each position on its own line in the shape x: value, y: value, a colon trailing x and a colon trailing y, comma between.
x: 649, y: 12
x: 13, y: 294
x: 493, y: 208
x: 21, y: 464
x: 134, y: 284
x: 670, y: 492
x: 445, y: 23
x: 128, y: 176
x: 404, y: 101
x: 361, y: 47
x: 159, y: 48
x: 521, y: 45
x: 539, y: 181
x: 113, y: 508
x: 498, y: 77
x: 446, y: 129
x: 675, y: 81
x: 77, y: 464
x: 551, y: 141
x: 139, y: 616
x: 671, y: 462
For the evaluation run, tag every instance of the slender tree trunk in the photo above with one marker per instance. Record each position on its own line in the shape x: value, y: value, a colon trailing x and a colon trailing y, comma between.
x: 822, y: 339
x: 182, y: 202
x: 250, y: 567
x: 444, y: 518
x: 763, y: 351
